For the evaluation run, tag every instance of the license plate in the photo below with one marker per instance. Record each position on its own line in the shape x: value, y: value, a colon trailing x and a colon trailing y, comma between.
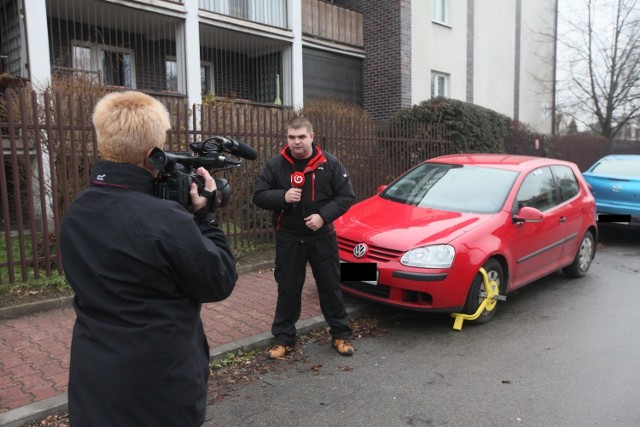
x: 365, y: 272
x: 618, y: 219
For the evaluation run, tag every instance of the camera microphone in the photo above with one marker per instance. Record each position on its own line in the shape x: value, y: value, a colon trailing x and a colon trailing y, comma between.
x: 237, y: 147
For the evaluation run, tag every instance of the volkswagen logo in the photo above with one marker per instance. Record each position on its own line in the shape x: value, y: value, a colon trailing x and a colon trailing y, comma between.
x: 360, y: 250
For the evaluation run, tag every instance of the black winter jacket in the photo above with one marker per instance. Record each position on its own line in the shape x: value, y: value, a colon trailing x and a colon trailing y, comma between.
x: 140, y: 268
x: 327, y: 191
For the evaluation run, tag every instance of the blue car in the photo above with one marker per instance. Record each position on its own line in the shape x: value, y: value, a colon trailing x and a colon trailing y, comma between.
x: 615, y: 184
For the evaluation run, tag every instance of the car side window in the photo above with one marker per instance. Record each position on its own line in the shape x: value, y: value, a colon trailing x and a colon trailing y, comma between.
x: 566, y: 181
x: 538, y: 190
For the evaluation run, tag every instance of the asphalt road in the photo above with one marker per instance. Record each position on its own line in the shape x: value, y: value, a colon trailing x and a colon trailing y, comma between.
x: 560, y: 352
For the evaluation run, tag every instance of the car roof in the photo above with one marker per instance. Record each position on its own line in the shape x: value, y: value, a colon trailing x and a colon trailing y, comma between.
x: 620, y: 157
x: 506, y: 161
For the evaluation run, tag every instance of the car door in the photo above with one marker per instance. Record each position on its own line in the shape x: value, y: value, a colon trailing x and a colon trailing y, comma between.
x: 570, y: 207
x: 537, y: 246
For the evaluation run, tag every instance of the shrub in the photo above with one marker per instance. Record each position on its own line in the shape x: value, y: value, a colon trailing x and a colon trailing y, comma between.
x: 473, y: 129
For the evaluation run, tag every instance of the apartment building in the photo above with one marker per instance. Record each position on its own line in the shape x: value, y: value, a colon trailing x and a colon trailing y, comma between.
x: 381, y: 54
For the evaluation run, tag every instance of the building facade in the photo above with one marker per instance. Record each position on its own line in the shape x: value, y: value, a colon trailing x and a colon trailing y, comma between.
x: 383, y: 55
x: 499, y: 54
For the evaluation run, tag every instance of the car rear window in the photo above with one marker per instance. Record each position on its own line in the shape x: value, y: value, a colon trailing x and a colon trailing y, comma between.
x: 618, y: 167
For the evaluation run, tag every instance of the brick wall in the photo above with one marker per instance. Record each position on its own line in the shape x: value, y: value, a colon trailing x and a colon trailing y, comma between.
x: 387, y: 66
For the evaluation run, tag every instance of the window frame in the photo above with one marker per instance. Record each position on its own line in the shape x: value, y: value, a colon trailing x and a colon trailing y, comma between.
x: 97, y: 63
x: 119, y: 50
x: 537, y: 200
x: 440, y: 12
x: 174, y: 60
x: 208, y: 69
x: 435, y: 92
x: 562, y: 175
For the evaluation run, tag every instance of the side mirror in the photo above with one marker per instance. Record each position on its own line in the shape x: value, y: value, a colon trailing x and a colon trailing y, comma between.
x: 528, y: 214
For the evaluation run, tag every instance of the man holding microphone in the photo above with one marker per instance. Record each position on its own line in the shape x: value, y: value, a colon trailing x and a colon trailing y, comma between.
x: 307, y: 189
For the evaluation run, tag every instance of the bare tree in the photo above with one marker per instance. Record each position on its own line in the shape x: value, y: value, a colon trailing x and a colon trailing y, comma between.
x: 600, y: 62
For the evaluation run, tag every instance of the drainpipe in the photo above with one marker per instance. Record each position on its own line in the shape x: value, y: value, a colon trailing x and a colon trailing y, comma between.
x: 555, y: 70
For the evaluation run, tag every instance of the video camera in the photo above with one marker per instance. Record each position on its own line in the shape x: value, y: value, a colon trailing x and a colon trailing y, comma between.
x: 177, y: 169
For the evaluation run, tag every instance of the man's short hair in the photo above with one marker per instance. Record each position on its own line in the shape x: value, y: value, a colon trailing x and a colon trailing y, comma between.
x: 298, y: 122
x: 128, y: 124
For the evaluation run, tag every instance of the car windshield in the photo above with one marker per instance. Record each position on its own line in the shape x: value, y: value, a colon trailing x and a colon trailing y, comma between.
x: 626, y: 167
x: 455, y: 188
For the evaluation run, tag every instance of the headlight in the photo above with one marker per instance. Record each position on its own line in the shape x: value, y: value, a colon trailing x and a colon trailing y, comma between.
x: 437, y: 256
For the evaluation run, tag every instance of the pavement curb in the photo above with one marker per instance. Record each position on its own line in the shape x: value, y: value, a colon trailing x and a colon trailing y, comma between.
x: 59, y: 404
x: 34, y: 411
x: 12, y: 312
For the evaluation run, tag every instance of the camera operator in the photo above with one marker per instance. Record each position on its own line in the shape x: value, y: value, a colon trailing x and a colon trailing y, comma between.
x: 140, y: 268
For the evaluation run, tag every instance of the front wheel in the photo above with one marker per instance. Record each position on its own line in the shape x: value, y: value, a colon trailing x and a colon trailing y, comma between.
x: 474, y: 298
x: 583, y: 258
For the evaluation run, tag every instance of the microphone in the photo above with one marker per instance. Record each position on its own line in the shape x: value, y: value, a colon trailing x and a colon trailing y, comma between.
x: 237, y: 147
x: 297, y: 181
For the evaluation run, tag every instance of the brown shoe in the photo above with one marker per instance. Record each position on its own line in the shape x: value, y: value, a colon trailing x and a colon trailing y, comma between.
x: 343, y: 346
x: 278, y: 351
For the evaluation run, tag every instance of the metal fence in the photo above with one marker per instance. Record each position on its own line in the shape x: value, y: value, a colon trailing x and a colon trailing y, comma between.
x: 48, y: 146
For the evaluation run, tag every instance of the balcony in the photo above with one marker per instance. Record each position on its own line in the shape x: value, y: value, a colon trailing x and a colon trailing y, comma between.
x: 272, y: 12
x: 320, y: 20
x: 329, y: 22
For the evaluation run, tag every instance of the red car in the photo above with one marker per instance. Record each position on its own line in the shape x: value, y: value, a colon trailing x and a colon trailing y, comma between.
x: 421, y: 241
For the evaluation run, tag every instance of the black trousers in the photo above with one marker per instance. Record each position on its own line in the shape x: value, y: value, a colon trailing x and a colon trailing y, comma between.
x: 290, y: 271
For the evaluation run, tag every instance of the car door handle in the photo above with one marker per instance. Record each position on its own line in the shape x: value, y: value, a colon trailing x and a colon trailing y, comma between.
x: 563, y: 219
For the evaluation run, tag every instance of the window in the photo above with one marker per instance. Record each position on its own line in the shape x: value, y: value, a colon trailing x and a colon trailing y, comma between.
x: 116, y: 68
x: 453, y: 188
x: 440, y: 11
x: 439, y: 84
x: 538, y: 190
x: 206, y: 78
x: 567, y: 182
x: 111, y: 64
x: 171, y: 71
x: 84, y: 68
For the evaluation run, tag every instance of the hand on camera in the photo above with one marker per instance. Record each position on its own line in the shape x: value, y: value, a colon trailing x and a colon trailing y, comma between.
x: 198, y: 201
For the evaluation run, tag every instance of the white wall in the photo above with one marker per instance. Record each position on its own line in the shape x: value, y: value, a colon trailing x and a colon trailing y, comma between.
x: 536, y: 64
x: 494, y: 55
x: 438, y: 48
x: 444, y: 49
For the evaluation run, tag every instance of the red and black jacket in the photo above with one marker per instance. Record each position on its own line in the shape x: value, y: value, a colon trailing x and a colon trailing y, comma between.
x: 327, y: 191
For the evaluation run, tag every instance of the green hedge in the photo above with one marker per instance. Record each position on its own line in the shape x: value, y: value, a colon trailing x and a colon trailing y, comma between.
x: 474, y: 129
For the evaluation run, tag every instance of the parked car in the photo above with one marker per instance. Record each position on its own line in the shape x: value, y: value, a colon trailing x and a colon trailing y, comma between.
x: 427, y: 234
x: 615, y: 183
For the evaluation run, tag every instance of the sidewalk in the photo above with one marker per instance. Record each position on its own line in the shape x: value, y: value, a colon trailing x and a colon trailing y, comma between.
x: 34, y: 347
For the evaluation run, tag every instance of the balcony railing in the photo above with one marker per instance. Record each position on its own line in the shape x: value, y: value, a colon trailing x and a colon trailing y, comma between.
x: 320, y: 19
x: 333, y: 23
x: 271, y: 12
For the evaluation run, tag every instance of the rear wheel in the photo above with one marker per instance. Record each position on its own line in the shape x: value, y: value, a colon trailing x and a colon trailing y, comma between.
x: 474, y: 298
x: 584, y: 256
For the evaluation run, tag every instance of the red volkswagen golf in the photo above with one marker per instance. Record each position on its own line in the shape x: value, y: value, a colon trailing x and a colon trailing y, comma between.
x: 434, y: 238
